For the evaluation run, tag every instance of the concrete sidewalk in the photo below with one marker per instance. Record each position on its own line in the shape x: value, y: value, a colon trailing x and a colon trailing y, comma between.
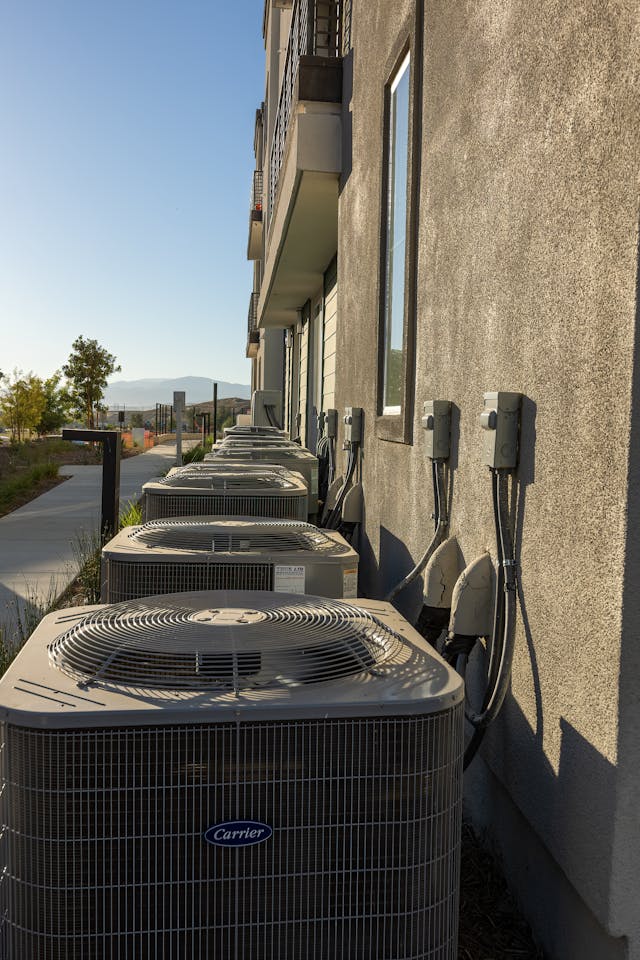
x: 37, y: 540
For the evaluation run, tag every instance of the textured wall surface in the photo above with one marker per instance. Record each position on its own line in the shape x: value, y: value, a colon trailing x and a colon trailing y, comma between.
x: 527, y: 264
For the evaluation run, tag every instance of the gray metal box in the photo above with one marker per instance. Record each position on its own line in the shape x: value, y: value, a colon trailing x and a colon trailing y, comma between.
x: 500, y: 421
x: 437, y: 425
x: 353, y: 424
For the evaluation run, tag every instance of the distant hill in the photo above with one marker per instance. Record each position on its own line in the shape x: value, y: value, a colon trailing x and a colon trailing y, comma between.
x: 144, y: 394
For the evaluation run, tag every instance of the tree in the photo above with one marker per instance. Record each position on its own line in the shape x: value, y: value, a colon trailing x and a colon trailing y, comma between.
x: 87, y: 370
x: 22, y: 402
x: 136, y: 419
x: 57, y: 404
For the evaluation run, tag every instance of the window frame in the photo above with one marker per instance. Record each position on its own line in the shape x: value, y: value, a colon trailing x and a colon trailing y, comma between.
x: 391, y: 424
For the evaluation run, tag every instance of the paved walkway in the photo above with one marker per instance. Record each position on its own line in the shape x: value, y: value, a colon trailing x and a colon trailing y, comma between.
x: 37, y: 541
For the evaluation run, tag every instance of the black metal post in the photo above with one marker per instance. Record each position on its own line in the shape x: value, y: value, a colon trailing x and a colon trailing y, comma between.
x: 215, y: 412
x: 111, y: 441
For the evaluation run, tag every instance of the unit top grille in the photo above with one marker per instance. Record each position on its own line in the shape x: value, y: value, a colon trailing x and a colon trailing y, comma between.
x: 252, y: 429
x: 248, y: 441
x: 235, y: 536
x: 239, y: 452
x: 225, y: 640
x: 203, y: 479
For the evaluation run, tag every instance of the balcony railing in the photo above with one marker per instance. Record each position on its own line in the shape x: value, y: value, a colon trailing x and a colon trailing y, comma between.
x: 253, y: 334
x: 315, y: 32
x: 256, y: 191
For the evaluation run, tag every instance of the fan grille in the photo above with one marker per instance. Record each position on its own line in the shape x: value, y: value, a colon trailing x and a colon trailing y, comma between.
x: 175, y: 642
x: 227, y: 481
x: 104, y: 859
x: 222, y: 536
x: 128, y: 579
x: 259, y: 453
x: 164, y: 503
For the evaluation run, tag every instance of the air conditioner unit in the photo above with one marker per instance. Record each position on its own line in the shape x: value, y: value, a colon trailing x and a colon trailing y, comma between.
x: 257, y: 441
x: 232, y: 494
x: 231, y: 467
x: 294, y: 458
x: 167, y: 556
x: 266, y: 408
x: 246, y: 775
x: 241, y: 430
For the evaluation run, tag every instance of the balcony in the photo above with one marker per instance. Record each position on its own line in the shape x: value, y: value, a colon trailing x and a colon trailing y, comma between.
x: 253, y: 334
x: 305, y: 160
x: 254, y: 245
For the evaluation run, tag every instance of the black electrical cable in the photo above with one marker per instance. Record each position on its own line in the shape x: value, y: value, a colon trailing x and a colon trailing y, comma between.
x: 271, y: 416
x: 501, y: 659
x: 322, y: 453
x: 497, y: 636
x: 334, y: 516
x: 441, y: 521
x: 331, y: 475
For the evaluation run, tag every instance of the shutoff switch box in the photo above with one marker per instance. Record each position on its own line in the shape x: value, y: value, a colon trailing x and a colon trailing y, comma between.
x: 437, y: 425
x: 500, y: 422
x: 331, y: 423
x: 353, y: 424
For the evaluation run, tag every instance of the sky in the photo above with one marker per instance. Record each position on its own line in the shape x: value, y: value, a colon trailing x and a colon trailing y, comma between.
x: 126, y: 155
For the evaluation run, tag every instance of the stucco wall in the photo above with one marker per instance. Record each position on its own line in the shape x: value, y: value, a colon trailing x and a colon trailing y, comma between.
x: 527, y: 258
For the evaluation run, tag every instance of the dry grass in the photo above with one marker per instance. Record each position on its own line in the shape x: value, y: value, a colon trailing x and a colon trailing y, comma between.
x: 28, y: 470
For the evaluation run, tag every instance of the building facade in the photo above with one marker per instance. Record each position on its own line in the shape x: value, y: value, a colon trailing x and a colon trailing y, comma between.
x: 448, y: 205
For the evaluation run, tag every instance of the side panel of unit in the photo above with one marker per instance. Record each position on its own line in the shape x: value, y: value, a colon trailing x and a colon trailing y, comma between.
x: 105, y: 856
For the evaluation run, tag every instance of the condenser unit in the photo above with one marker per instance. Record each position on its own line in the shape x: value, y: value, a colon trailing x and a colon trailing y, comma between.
x: 241, y: 430
x: 294, y: 458
x: 168, y: 556
x: 251, y: 441
x: 266, y: 408
x: 187, y: 493
x: 230, y: 775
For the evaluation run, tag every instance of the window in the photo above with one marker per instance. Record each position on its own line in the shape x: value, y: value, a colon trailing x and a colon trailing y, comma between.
x: 395, y: 242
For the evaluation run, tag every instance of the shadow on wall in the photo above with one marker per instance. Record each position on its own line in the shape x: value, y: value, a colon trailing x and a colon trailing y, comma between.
x: 395, y: 562
x: 627, y: 892
x: 347, y: 119
x: 564, y: 889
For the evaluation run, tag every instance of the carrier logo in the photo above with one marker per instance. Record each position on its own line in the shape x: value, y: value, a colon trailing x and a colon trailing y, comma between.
x: 237, y: 833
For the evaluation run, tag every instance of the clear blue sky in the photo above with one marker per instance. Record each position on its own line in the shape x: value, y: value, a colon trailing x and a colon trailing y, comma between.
x: 126, y: 151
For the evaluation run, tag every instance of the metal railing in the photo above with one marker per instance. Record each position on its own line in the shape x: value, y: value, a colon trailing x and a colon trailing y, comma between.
x: 257, y: 187
x: 253, y: 334
x: 315, y: 32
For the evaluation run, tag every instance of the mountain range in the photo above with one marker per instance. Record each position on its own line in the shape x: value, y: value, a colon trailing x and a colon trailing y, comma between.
x: 144, y: 394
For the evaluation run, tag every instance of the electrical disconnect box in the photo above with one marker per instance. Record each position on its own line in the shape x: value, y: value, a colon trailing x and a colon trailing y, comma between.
x: 353, y: 424
x: 264, y: 403
x: 500, y: 421
x: 331, y: 423
x: 437, y: 424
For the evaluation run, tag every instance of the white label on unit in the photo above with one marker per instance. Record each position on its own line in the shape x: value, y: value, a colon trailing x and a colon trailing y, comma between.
x: 288, y: 579
x: 350, y: 584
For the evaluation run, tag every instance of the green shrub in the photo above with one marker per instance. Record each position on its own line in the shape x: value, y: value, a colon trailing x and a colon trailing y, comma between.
x: 196, y: 454
x: 12, y: 489
x: 131, y: 516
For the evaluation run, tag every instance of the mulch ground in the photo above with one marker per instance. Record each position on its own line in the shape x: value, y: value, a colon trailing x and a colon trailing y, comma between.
x: 491, y: 927
x: 28, y: 496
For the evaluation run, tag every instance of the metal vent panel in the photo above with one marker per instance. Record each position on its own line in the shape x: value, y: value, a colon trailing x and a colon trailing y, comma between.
x: 201, y: 479
x: 229, y: 536
x: 158, y: 504
x: 130, y: 579
x: 104, y: 857
x: 183, y: 641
